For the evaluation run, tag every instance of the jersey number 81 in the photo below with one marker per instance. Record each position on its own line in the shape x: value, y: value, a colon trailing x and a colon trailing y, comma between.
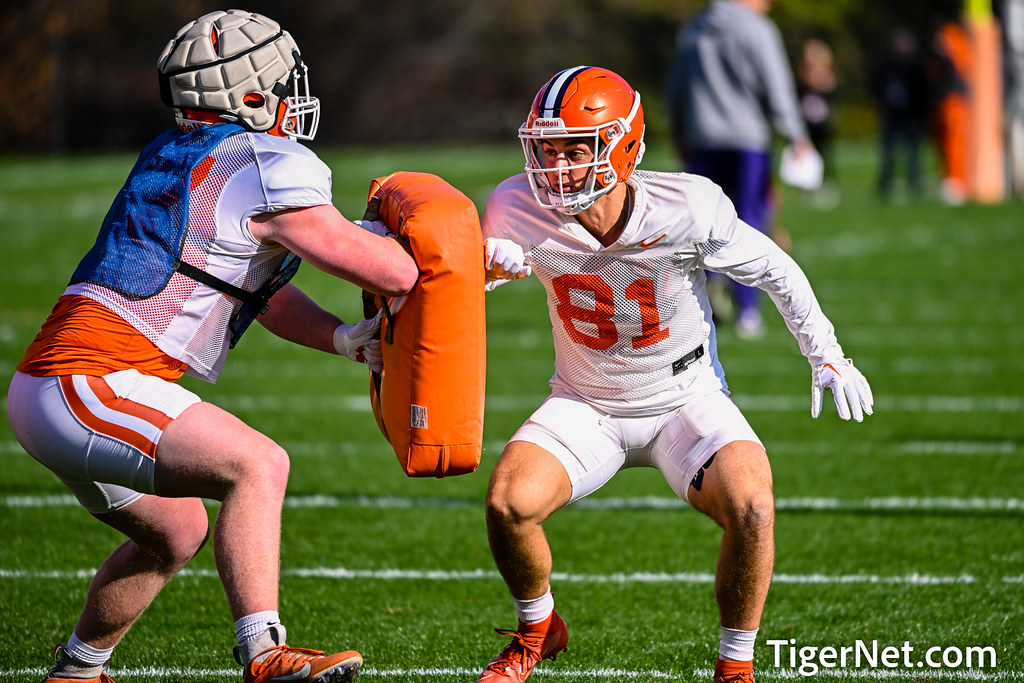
x: 640, y: 290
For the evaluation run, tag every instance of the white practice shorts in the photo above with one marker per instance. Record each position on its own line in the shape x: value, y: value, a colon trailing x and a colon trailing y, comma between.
x: 593, y: 446
x: 97, y: 434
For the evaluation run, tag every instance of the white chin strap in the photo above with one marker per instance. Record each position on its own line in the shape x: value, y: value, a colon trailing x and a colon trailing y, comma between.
x: 569, y: 203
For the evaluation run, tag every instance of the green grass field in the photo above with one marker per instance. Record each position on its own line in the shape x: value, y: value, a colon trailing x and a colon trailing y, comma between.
x: 906, y: 529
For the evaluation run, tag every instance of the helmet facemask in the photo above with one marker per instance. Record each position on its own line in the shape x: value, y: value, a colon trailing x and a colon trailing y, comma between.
x: 301, y: 117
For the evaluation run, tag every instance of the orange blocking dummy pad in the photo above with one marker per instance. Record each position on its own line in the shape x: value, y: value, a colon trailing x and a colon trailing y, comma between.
x: 429, y: 399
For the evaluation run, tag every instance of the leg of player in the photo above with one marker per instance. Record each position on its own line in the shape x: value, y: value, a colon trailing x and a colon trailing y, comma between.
x: 527, y: 485
x: 164, y: 534
x: 210, y: 453
x: 737, y: 493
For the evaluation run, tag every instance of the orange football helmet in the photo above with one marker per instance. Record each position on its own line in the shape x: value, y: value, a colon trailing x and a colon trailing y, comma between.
x: 593, y: 104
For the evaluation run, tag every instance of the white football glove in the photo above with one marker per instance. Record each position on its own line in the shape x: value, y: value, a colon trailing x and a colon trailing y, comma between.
x: 376, y: 227
x: 849, y: 388
x: 361, y: 342
x: 503, y: 261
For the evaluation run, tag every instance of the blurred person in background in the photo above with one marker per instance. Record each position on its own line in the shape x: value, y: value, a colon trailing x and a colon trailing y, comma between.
x: 1013, y: 49
x: 202, y: 240
x: 900, y: 86
x: 730, y: 89
x: 949, y: 66
x: 816, y: 84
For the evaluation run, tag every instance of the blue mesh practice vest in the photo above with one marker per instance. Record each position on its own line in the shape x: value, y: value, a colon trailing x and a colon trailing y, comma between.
x: 140, y: 243
x: 139, y: 246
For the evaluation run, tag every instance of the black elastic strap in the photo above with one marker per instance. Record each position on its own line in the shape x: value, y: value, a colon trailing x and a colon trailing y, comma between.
x: 372, y: 213
x: 190, y: 271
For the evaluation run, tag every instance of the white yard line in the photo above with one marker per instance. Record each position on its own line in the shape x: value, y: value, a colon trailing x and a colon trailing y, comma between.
x: 803, y: 504
x: 553, y: 671
x: 618, y: 578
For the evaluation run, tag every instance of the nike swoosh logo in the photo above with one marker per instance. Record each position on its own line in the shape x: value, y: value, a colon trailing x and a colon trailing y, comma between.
x: 650, y: 243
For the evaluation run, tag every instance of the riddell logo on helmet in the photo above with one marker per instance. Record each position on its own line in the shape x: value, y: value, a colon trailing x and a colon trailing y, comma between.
x: 549, y: 123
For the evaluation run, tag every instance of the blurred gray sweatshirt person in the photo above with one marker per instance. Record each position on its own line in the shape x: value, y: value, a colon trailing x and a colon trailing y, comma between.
x: 730, y: 89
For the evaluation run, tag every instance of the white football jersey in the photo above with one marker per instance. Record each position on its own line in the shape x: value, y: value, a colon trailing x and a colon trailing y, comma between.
x: 626, y: 318
x: 250, y: 174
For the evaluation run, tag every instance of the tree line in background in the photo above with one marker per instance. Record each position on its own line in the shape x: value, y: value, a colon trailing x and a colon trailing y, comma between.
x: 81, y: 74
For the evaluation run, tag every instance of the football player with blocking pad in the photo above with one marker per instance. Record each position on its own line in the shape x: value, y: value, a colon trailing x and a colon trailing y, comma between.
x: 622, y: 253
x: 203, y: 239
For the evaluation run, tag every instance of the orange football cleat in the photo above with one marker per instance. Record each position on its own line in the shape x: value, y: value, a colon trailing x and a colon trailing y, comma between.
x: 530, y: 644
x: 102, y: 678
x: 61, y: 658
x: 734, y: 672
x: 284, y: 663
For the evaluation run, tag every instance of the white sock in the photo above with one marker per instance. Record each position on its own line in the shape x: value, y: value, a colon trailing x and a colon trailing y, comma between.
x: 251, y: 626
x: 86, y: 654
x: 537, y: 609
x: 737, y: 646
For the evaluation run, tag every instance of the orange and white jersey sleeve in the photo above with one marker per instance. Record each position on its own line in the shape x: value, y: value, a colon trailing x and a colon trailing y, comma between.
x: 247, y: 174
x: 631, y: 322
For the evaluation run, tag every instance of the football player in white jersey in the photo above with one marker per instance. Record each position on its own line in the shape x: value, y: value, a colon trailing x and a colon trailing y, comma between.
x: 622, y: 254
x: 203, y: 239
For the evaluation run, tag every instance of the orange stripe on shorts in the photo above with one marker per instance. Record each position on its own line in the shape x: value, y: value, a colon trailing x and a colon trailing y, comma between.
x: 116, y: 404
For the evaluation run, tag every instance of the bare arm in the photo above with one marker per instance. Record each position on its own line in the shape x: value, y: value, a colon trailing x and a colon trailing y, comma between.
x: 295, y: 317
x: 335, y: 245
